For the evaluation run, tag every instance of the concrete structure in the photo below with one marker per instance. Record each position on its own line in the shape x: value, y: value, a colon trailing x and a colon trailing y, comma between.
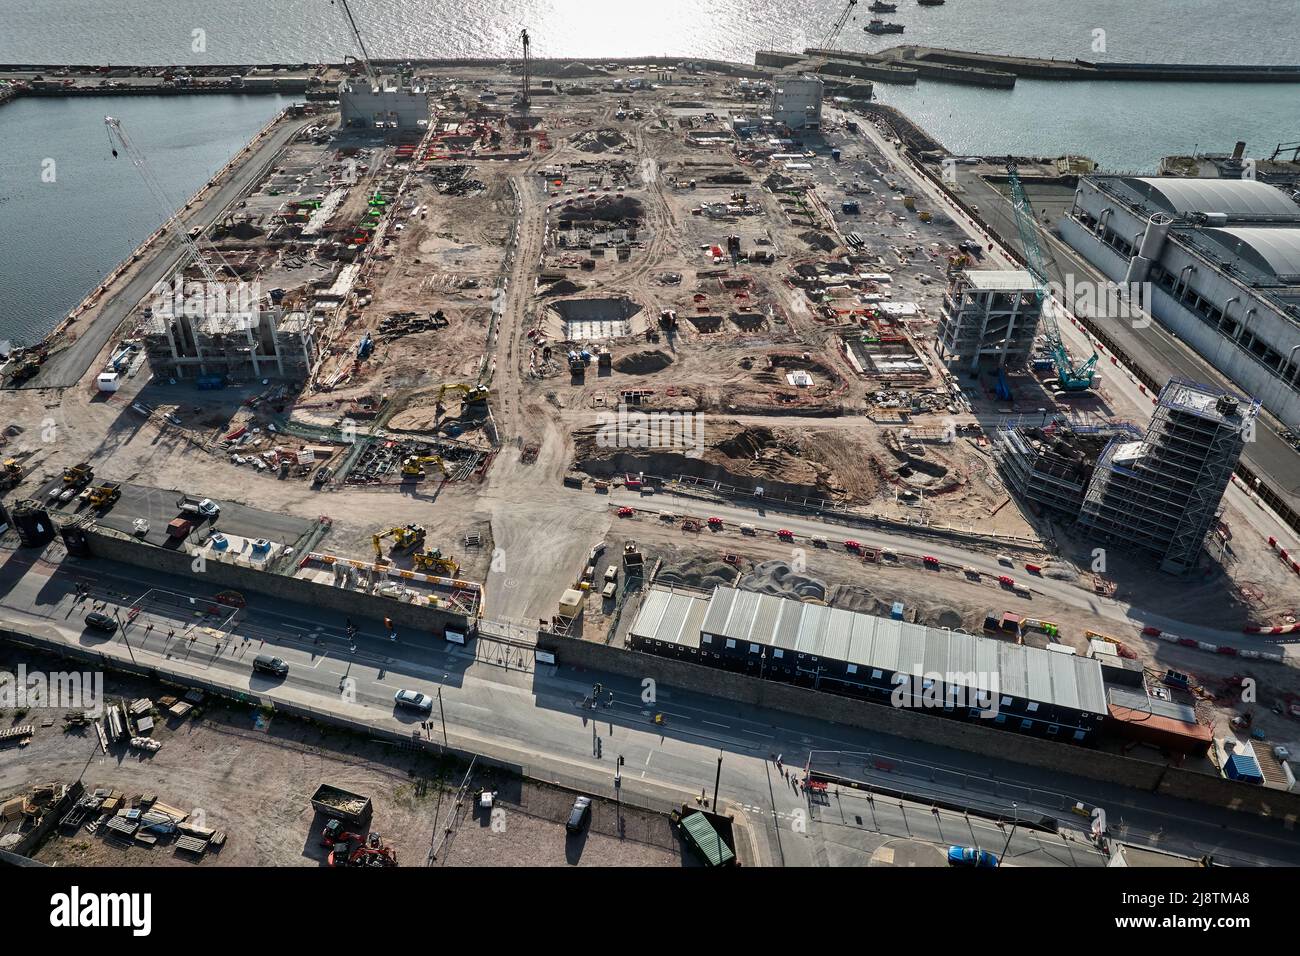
x: 394, y: 103
x: 1157, y: 492
x: 258, y: 344
x: 1222, y: 258
x: 1162, y: 494
x: 797, y: 101
x: 1003, y: 685
x: 989, y: 317
x: 1052, y: 465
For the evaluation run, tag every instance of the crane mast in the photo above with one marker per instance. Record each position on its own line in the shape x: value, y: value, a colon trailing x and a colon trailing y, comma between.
x: 1073, y: 378
x: 361, y: 44
x: 525, y: 92
x: 838, y: 26
x: 171, y: 211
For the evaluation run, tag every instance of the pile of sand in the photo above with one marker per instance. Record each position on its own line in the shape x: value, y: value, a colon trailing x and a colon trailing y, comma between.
x: 643, y: 363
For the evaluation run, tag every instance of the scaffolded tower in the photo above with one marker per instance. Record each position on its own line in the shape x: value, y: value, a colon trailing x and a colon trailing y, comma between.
x: 989, y: 317
x: 1161, y: 494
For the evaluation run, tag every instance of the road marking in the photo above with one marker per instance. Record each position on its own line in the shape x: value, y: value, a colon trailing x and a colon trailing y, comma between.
x: 756, y: 733
x: 712, y: 724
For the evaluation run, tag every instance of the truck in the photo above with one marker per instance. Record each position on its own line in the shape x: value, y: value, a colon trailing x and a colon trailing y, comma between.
x: 200, y: 507
x: 339, y: 804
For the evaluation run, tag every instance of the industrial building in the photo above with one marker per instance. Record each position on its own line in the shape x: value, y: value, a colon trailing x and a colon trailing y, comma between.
x: 386, y: 102
x: 1156, y: 492
x: 1222, y: 257
x: 1035, y: 691
x: 989, y: 319
x: 797, y: 101
x: 266, y: 343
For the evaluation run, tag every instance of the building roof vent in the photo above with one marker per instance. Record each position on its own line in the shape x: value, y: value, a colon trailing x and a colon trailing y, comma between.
x: 1226, y: 406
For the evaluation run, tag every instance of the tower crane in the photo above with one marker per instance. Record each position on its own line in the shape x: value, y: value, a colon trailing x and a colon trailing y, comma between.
x: 838, y: 26
x: 361, y: 44
x: 1073, y: 378
x: 525, y: 92
x: 122, y: 143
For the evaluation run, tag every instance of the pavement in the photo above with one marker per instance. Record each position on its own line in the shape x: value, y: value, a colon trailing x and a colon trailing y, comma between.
x: 158, y: 506
x: 494, y: 700
x: 65, y: 368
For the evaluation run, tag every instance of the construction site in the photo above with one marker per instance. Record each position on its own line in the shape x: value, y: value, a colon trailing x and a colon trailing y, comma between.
x: 522, y: 343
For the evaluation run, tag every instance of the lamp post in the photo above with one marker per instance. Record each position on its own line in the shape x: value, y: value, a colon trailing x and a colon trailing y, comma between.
x: 618, y: 792
x: 442, y: 716
x: 1015, y: 810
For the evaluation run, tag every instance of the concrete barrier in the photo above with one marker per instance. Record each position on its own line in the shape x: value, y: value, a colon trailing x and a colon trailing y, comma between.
x: 219, y: 575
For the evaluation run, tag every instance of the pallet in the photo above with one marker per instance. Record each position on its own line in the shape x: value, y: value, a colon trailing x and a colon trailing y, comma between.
x: 189, y: 844
x: 15, y: 733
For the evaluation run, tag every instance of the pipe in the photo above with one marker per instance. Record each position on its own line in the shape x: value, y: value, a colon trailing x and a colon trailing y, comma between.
x: 1295, y: 377
x: 1182, y: 280
x: 1226, y: 306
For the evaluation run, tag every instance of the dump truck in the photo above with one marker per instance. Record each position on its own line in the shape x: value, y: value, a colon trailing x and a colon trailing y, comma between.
x: 77, y: 475
x: 338, y: 804
x: 101, y: 496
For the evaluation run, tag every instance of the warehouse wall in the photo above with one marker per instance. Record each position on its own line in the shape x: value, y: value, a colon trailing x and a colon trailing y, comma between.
x: 219, y: 576
x: 928, y: 728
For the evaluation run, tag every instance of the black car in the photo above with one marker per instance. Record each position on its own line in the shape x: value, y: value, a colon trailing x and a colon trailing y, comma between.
x: 267, y: 664
x: 101, y: 622
x: 579, y: 815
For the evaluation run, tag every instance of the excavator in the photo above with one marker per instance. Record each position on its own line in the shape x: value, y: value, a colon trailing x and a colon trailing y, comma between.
x: 413, y: 466
x: 435, y: 562
x: 412, y: 536
x: 469, y: 395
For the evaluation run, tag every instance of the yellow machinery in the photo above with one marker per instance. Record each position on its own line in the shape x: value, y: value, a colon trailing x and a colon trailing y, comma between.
x: 412, y: 536
x: 413, y: 467
x: 11, y: 474
x: 435, y: 562
x: 78, y: 474
x: 101, y: 496
x: 469, y: 394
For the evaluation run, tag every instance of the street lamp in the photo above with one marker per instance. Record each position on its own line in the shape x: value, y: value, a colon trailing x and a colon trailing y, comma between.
x: 1015, y: 810
x: 442, y: 716
x: 618, y: 790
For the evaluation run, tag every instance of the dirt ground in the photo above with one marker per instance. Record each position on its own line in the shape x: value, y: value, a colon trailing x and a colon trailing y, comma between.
x: 252, y: 777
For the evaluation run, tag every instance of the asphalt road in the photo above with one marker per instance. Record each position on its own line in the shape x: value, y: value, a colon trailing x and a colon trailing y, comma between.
x: 66, y: 367
x: 158, y: 506
x: 496, y: 702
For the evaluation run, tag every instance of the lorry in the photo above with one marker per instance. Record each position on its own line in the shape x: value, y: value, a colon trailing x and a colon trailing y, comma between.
x: 339, y: 804
x: 199, y: 507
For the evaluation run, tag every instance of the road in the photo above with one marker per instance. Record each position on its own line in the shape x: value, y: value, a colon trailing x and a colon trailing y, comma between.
x: 65, y: 368
x: 496, y: 702
x: 953, y: 558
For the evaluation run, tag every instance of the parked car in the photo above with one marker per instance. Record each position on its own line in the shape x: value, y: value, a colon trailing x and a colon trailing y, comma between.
x: 101, y: 622
x: 971, y: 856
x: 625, y: 512
x: 579, y: 815
x: 414, y: 700
x: 785, y: 534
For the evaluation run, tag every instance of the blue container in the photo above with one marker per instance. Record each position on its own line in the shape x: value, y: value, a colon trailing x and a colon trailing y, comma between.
x: 1245, y: 768
x: 896, y: 612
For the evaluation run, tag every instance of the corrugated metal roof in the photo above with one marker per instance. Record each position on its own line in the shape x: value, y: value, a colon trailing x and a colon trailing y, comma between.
x: 1236, y: 197
x: 1028, y: 673
x: 674, y: 617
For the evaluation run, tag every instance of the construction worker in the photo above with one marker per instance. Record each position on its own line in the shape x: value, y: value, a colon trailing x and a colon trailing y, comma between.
x: 388, y: 623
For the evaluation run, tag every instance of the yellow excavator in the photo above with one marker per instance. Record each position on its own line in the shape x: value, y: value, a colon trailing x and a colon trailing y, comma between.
x: 413, y: 466
x: 469, y: 394
x: 412, y: 536
x: 435, y: 562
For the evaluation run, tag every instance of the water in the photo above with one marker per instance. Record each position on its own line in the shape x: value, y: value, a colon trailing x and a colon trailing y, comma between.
x: 98, y: 211
x: 59, y: 239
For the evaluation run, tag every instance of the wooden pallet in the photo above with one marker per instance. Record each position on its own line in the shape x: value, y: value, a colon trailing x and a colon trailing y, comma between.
x: 189, y: 844
x: 15, y: 733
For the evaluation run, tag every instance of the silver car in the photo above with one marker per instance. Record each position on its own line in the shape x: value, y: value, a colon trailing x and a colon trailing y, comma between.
x: 414, y: 700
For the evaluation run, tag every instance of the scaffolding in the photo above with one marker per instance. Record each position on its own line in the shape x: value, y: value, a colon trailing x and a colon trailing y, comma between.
x: 1161, y: 493
x: 989, y: 317
x: 236, y: 344
x: 1052, y: 466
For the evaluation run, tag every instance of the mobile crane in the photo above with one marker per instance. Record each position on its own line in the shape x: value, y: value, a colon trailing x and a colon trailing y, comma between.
x: 1073, y: 378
